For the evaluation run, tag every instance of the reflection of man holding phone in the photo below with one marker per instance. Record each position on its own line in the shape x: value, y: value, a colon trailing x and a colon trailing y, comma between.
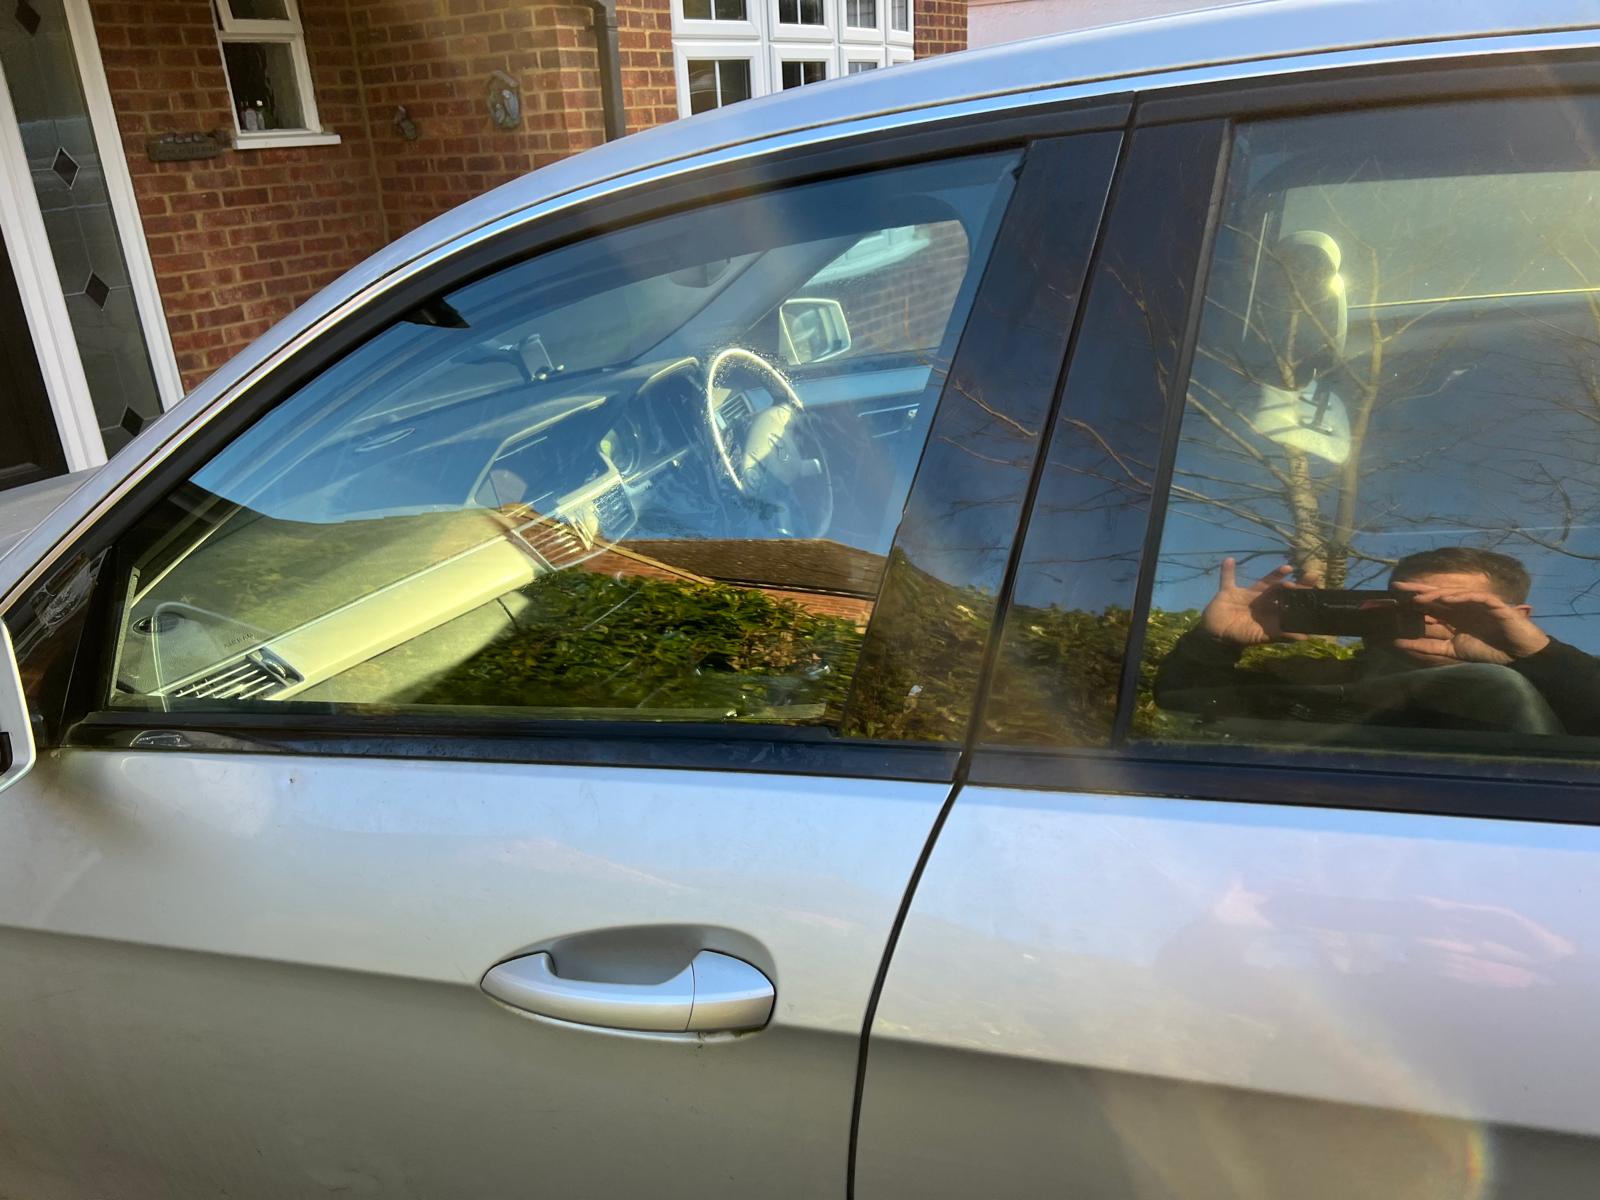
x: 1444, y: 608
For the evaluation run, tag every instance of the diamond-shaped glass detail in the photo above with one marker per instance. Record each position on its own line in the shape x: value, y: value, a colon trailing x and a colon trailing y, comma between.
x: 65, y: 166
x: 97, y: 289
x: 131, y: 422
x: 28, y: 17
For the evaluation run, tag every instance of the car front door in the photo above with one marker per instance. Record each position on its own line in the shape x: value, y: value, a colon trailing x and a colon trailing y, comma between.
x: 562, y: 639
x: 1251, y: 908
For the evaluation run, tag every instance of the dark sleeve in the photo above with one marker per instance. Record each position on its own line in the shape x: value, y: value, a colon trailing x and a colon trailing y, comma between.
x: 1569, y: 680
x: 1197, y: 661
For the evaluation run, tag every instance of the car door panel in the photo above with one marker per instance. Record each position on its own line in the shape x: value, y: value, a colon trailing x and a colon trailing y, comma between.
x: 1169, y: 948
x: 243, y: 933
x: 1154, y: 997
x: 291, y: 951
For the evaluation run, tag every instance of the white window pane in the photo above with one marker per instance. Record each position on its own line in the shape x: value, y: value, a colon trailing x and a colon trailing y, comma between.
x: 797, y: 74
x: 801, y: 12
x: 734, y: 76
x: 861, y: 14
x: 859, y: 65
x: 714, y: 82
x: 900, y: 15
x: 702, y: 85
x: 266, y: 90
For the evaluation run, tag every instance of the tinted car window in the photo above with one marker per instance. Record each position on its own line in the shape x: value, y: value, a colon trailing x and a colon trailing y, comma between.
x: 1058, y: 672
x: 651, y: 474
x: 1384, y: 519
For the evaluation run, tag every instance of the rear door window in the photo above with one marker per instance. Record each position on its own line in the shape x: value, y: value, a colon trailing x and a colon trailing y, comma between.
x: 1383, y: 526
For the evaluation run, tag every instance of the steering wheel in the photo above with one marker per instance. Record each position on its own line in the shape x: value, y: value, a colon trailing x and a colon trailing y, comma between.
x: 771, y: 456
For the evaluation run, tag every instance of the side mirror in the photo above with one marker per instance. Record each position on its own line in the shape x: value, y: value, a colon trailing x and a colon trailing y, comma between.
x: 813, y: 330
x: 1297, y: 316
x: 17, y: 751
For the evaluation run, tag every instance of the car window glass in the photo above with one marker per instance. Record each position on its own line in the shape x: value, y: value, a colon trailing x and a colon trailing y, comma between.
x: 650, y: 474
x: 1384, y: 519
x: 896, y: 286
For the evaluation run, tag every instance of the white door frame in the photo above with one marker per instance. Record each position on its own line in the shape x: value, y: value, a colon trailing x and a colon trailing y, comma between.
x: 124, y: 205
x: 38, y: 284
x: 42, y: 299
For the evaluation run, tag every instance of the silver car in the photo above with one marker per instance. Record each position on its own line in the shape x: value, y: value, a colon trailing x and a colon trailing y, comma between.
x: 1021, y: 625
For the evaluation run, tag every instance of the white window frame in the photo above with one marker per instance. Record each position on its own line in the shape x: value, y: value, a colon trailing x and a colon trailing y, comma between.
x: 848, y: 53
x: 871, y: 35
x: 693, y: 29
x: 781, y: 31
x: 750, y: 52
x: 289, y: 32
x: 899, y: 37
x: 768, y: 43
x: 811, y: 54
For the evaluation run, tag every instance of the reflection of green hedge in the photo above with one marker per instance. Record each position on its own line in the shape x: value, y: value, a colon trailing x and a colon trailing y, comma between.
x: 657, y: 647
x: 1059, y: 670
x: 921, y: 668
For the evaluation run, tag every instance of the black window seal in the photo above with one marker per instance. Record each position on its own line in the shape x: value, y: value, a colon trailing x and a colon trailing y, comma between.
x: 768, y: 749
x: 1265, y: 775
x: 1498, y: 789
x: 462, y: 737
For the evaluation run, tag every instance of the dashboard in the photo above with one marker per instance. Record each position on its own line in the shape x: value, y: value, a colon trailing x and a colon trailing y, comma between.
x: 592, y: 469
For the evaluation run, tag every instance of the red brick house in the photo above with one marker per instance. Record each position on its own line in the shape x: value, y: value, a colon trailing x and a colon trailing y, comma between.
x: 177, y: 175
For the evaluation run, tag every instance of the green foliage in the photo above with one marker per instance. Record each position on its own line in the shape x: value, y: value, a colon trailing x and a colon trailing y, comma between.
x: 1059, y: 671
x: 919, y: 672
x: 709, y: 651
x: 659, y: 648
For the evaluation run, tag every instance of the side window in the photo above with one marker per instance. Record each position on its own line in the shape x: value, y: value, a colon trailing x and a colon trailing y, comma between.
x: 647, y: 475
x: 894, y: 289
x: 1384, y: 520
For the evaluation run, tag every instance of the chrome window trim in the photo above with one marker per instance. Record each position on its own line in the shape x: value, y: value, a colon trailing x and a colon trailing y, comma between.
x: 744, y: 152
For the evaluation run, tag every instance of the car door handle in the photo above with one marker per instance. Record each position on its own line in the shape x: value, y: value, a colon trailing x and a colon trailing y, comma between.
x: 714, y: 993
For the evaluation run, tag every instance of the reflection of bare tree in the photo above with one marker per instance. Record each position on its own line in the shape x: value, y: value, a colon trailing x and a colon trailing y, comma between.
x: 1419, y: 327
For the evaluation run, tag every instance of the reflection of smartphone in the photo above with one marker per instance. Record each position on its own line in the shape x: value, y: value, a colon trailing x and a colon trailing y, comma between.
x: 1349, y: 613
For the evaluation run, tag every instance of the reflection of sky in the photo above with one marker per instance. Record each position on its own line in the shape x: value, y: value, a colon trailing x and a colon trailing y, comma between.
x: 1484, y: 435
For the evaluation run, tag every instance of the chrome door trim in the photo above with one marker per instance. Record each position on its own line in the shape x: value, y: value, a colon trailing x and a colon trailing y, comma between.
x: 746, y: 152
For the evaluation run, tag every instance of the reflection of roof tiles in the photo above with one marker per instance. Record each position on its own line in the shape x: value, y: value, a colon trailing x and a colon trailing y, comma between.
x: 821, y: 576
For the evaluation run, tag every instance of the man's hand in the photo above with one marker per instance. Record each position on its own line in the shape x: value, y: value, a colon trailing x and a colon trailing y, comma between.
x: 1472, y: 626
x: 1247, y: 616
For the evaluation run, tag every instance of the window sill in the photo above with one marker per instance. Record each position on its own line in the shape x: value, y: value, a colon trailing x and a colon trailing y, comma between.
x: 277, y: 141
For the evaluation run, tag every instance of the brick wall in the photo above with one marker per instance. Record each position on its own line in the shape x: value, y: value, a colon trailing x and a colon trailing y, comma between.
x: 435, y: 59
x: 904, y: 306
x: 239, y: 241
x: 941, y: 26
x: 644, y: 38
x: 236, y: 241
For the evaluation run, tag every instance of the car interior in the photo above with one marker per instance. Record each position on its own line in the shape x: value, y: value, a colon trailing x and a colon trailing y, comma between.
x: 625, y: 407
